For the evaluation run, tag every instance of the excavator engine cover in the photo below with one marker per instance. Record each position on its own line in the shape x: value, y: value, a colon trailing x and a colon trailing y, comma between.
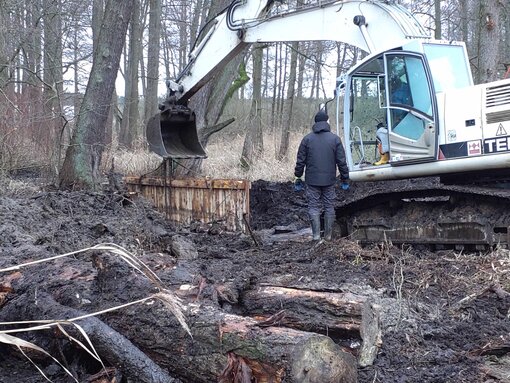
x: 173, y: 133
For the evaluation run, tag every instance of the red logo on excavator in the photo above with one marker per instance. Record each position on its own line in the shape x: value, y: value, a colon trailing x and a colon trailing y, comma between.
x: 474, y: 148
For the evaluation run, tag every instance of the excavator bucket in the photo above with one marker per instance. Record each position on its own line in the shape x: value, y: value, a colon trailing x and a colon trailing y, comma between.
x: 173, y: 133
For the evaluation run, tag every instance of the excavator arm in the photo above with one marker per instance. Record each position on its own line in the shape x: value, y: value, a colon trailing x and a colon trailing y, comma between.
x: 372, y: 25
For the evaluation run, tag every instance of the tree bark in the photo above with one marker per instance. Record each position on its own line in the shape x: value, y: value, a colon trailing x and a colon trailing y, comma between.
x: 288, y: 107
x: 464, y: 24
x: 307, y: 310
x: 338, y: 315
x: 144, y: 341
x: 151, y: 95
x: 218, y: 337
x: 437, y: 19
x: 253, y: 145
x: 489, y: 40
x: 130, y: 114
x: 53, y: 77
x: 81, y: 168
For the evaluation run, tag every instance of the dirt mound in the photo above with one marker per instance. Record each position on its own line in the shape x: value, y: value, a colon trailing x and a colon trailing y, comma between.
x: 444, y: 316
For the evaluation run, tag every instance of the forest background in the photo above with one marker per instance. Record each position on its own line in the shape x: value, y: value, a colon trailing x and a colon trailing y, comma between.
x: 69, y: 111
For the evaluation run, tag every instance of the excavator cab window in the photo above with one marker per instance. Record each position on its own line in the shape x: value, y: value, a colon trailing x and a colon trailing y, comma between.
x: 393, y: 90
x: 366, y: 114
x: 409, y: 95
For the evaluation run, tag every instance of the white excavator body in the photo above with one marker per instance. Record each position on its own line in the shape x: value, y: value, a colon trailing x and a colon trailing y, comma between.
x: 441, y: 125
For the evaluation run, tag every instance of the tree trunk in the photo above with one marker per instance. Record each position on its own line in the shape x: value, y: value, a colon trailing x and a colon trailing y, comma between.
x: 82, y: 163
x: 130, y: 114
x: 195, y: 21
x: 338, y: 315
x: 269, y: 352
x: 151, y: 95
x: 288, y: 108
x: 489, y: 40
x: 301, y: 70
x: 53, y: 76
x: 437, y: 19
x: 464, y: 22
x: 6, y: 90
x: 253, y: 141
x: 307, y: 310
x: 31, y: 90
x: 143, y: 340
x: 182, y: 25
x: 276, y: 85
x: 282, y: 70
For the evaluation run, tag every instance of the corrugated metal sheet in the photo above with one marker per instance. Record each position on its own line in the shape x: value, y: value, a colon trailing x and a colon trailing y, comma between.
x: 192, y: 199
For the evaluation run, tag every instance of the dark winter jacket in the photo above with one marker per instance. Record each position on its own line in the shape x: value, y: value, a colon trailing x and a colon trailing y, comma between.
x: 321, y: 152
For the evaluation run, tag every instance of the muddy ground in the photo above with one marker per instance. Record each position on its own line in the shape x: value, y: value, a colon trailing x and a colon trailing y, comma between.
x: 450, y: 316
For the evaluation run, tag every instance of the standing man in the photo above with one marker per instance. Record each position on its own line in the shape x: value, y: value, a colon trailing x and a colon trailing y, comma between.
x: 321, y: 153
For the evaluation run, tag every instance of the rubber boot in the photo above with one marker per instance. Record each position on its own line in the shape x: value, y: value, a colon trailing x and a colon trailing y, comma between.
x: 383, y: 160
x: 315, y: 221
x: 329, y: 220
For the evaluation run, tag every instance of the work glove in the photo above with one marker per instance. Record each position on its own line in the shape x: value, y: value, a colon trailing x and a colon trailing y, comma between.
x: 344, y: 185
x: 298, y: 184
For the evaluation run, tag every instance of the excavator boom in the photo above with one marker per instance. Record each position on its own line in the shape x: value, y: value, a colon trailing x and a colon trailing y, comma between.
x: 372, y: 25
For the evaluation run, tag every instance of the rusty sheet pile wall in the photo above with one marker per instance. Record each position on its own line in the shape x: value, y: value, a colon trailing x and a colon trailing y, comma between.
x: 191, y: 199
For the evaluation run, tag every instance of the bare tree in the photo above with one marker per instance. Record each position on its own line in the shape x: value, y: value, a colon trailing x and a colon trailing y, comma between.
x: 81, y: 168
x: 276, y: 86
x: 464, y: 19
x: 130, y: 114
x: 489, y: 40
x: 437, y: 19
x: 288, y: 109
x: 151, y: 95
x: 253, y: 145
x: 53, y: 76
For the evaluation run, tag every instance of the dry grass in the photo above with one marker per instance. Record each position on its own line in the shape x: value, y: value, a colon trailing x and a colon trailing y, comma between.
x: 135, y: 162
x: 224, y: 153
x: 223, y: 160
x: 14, y: 187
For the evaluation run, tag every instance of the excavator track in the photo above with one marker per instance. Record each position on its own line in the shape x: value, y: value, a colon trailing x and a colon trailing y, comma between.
x: 426, y: 212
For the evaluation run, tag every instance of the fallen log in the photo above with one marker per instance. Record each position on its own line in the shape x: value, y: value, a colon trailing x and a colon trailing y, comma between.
x: 222, y: 342
x: 339, y: 315
x: 111, y: 346
x: 308, y: 310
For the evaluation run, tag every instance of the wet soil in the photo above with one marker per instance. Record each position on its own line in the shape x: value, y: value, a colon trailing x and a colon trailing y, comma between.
x: 445, y: 315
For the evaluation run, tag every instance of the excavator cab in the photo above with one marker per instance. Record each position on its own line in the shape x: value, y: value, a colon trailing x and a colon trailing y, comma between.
x: 172, y: 133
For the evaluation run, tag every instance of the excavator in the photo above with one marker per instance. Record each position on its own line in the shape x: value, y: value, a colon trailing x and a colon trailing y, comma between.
x: 444, y: 128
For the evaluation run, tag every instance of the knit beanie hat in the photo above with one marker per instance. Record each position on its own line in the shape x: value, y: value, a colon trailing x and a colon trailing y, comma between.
x: 321, y: 116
